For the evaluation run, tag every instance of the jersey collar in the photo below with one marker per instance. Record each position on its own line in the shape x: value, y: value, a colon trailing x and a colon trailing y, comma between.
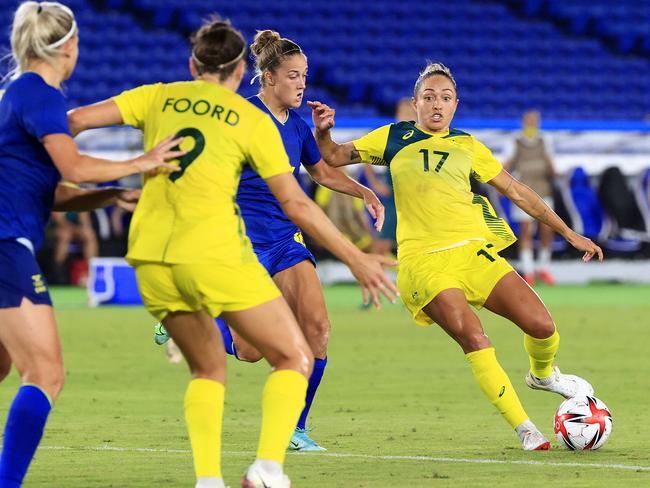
x: 434, y: 134
x: 272, y: 114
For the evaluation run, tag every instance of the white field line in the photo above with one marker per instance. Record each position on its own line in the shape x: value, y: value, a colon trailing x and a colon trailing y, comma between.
x: 368, y: 456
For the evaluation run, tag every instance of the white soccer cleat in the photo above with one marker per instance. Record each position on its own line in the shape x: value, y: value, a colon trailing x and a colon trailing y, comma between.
x: 256, y: 478
x: 534, y: 440
x: 209, y: 482
x: 174, y: 354
x: 567, y: 385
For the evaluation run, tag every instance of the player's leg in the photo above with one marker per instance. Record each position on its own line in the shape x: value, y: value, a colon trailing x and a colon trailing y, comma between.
x: 171, y: 294
x: 200, y: 342
x: 513, y: 299
x: 5, y: 362
x: 302, y: 290
x: 451, y: 311
x: 29, y: 334
x: 239, y: 347
x: 546, y: 235
x: 272, y: 329
x: 526, y: 257
x: 87, y: 236
x: 64, y: 234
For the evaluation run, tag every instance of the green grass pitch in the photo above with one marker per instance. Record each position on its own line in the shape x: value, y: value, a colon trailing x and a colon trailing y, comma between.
x: 398, y: 406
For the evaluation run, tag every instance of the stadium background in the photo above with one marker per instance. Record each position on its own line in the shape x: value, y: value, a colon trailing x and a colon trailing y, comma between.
x: 584, y: 64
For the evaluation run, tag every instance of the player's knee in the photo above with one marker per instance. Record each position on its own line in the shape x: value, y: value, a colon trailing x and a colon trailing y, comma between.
x: 300, y: 359
x: 317, y: 333
x: 474, y: 341
x: 248, y: 354
x: 49, y: 376
x: 541, y: 326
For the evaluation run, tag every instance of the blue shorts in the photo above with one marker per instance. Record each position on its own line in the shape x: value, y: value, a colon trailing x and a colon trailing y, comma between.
x: 281, y: 255
x: 20, y: 276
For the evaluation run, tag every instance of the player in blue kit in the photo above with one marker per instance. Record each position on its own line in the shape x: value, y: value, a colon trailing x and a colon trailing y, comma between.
x: 281, y: 68
x: 36, y: 151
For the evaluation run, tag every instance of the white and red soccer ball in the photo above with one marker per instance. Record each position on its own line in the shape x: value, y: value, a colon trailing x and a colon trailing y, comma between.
x: 582, y: 422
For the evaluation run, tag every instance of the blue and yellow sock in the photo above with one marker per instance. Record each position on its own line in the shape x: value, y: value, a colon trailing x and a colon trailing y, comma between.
x: 314, y: 381
x: 541, y: 353
x: 496, y: 385
x: 23, y: 431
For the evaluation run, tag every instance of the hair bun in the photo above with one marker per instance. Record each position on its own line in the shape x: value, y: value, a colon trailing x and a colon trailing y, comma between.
x: 263, y: 39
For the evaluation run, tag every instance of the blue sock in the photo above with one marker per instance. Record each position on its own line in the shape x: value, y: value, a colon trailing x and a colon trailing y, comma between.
x: 227, y: 337
x: 23, y: 432
x: 314, y: 381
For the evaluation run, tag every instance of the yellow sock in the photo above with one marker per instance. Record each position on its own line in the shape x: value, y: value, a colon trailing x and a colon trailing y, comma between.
x: 496, y: 385
x: 203, y: 415
x: 541, y: 353
x: 283, y: 399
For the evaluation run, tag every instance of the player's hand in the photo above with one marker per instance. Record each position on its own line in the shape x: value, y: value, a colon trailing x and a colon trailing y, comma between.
x: 322, y: 115
x: 156, y: 158
x: 368, y: 271
x: 375, y: 208
x: 582, y: 243
x: 128, y: 199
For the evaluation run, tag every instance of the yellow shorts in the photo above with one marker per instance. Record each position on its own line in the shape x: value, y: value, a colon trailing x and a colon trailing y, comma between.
x: 213, y: 287
x: 473, y: 267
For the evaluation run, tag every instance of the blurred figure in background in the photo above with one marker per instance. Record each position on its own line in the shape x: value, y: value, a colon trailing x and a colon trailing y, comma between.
x: 69, y: 227
x: 529, y: 158
x: 347, y: 214
x: 382, y: 184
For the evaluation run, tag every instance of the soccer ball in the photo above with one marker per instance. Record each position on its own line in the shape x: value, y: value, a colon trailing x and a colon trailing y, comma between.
x: 582, y: 422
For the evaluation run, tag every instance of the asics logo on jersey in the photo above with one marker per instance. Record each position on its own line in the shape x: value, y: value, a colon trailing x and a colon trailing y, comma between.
x: 408, y: 135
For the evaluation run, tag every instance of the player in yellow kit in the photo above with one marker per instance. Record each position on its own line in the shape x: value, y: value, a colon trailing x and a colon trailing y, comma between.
x: 449, y: 239
x: 192, y: 257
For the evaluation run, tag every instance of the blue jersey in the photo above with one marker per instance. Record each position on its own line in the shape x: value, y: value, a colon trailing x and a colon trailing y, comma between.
x: 30, y: 109
x: 265, y: 221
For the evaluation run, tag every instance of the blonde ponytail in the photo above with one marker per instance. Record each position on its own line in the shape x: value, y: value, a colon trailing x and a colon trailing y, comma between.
x: 38, y: 31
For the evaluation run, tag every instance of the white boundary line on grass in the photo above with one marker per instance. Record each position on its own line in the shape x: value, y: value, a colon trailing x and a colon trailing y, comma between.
x: 367, y: 456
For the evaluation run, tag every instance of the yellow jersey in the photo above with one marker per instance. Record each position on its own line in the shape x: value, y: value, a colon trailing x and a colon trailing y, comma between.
x: 190, y: 216
x: 436, y: 208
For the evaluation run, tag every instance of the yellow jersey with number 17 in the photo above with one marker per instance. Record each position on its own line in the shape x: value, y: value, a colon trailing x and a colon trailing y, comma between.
x: 436, y: 208
x: 190, y: 216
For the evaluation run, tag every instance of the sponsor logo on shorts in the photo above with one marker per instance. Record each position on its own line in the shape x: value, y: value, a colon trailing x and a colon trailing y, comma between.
x: 39, y: 284
x: 298, y: 238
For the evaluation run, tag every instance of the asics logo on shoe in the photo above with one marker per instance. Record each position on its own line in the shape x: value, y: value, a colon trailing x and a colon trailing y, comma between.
x: 264, y: 485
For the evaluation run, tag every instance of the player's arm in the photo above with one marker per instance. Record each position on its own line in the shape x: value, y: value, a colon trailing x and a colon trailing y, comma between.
x: 366, y: 268
x: 81, y: 168
x: 531, y: 203
x: 100, y: 114
x: 70, y: 198
x: 336, y: 180
x: 334, y: 154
